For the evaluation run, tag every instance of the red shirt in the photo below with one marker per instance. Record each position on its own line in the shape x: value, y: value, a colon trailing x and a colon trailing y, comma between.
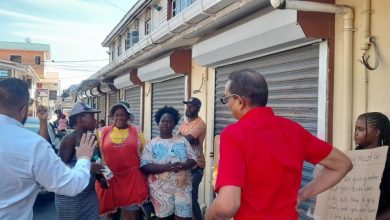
x: 263, y: 154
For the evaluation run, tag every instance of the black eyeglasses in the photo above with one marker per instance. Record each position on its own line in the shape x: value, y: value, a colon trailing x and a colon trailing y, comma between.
x: 225, y: 99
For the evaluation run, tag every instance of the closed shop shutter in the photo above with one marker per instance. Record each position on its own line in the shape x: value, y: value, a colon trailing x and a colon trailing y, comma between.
x: 292, y: 78
x: 102, y: 107
x: 171, y: 93
x: 133, y: 97
x: 112, y: 99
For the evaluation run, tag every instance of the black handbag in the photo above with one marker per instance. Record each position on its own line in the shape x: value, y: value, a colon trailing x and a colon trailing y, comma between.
x: 102, y: 181
x: 147, y: 211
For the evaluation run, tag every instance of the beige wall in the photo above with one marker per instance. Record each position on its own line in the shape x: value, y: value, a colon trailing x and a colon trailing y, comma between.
x: 141, y: 25
x: 209, y: 142
x: 198, y: 74
x: 159, y: 17
x: 206, y: 192
x: 378, y: 82
x: 147, y: 111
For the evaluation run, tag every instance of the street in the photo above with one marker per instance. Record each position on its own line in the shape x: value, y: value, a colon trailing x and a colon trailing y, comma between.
x: 44, y: 208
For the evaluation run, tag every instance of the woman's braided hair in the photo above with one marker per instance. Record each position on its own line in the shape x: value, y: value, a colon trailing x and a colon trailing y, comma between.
x: 379, y: 121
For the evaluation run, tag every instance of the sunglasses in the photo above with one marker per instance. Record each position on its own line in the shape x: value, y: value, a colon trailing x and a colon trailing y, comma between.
x: 225, y: 99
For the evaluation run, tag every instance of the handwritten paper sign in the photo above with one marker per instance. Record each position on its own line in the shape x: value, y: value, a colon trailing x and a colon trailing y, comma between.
x: 356, y: 197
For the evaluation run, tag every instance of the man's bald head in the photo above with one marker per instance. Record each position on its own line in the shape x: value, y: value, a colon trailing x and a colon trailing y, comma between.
x: 251, y: 85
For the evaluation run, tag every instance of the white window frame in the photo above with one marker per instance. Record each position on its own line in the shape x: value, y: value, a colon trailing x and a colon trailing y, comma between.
x: 132, y: 37
x: 148, y: 26
x: 4, y: 73
x: 119, y: 46
x: 39, y: 60
x: 127, y: 40
x: 15, y: 56
x: 177, y: 6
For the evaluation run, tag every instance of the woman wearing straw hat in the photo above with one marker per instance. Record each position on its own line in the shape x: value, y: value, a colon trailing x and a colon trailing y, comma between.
x: 120, y: 147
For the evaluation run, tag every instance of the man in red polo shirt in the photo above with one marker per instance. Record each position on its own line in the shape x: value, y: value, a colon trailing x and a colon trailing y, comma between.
x: 262, y: 155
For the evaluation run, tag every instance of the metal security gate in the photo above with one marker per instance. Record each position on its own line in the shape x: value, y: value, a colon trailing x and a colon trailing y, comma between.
x: 292, y: 78
x: 112, y: 99
x: 133, y: 97
x: 171, y: 93
x: 102, y: 107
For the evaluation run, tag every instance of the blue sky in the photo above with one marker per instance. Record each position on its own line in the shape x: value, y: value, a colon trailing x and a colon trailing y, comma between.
x: 74, y: 29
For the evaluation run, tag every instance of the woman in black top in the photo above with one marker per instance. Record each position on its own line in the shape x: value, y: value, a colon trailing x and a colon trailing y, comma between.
x: 372, y: 130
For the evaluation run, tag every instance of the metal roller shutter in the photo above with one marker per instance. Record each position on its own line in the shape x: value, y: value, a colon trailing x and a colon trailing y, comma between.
x: 102, y: 107
x: 292, y: 78
x: 133, y: 97
x: 112, y: 99
x: 171, y: 93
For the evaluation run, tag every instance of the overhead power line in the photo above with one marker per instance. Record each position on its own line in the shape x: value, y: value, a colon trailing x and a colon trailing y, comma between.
x: 73, y: 65
x: 114, y: 5
x: 72, y: 61
x: 75, y: 69
x: 63, y: 62
x: 77, y: 65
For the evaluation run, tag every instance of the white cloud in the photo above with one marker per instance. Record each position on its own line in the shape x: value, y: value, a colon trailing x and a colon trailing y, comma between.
x: 78, y: 7
x: 64, y: 33
x: 73, y: 28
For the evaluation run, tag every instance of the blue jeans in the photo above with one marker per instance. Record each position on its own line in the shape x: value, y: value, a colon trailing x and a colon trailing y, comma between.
x: 197, y: 175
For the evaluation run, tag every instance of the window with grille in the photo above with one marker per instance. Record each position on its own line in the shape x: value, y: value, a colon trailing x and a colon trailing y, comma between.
x: 148, y: 27
x: 179, y: 5
x: 132, y: 38
x: 148, y: 21
x: 119, y: 45
x: 15, y: 58
x: 128, y: 39
x: 112, y: 51
x: 37, y: 60
x: 4, y: 73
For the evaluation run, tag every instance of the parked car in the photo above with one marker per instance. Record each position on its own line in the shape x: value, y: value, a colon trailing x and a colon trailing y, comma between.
x: 32, y: 124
